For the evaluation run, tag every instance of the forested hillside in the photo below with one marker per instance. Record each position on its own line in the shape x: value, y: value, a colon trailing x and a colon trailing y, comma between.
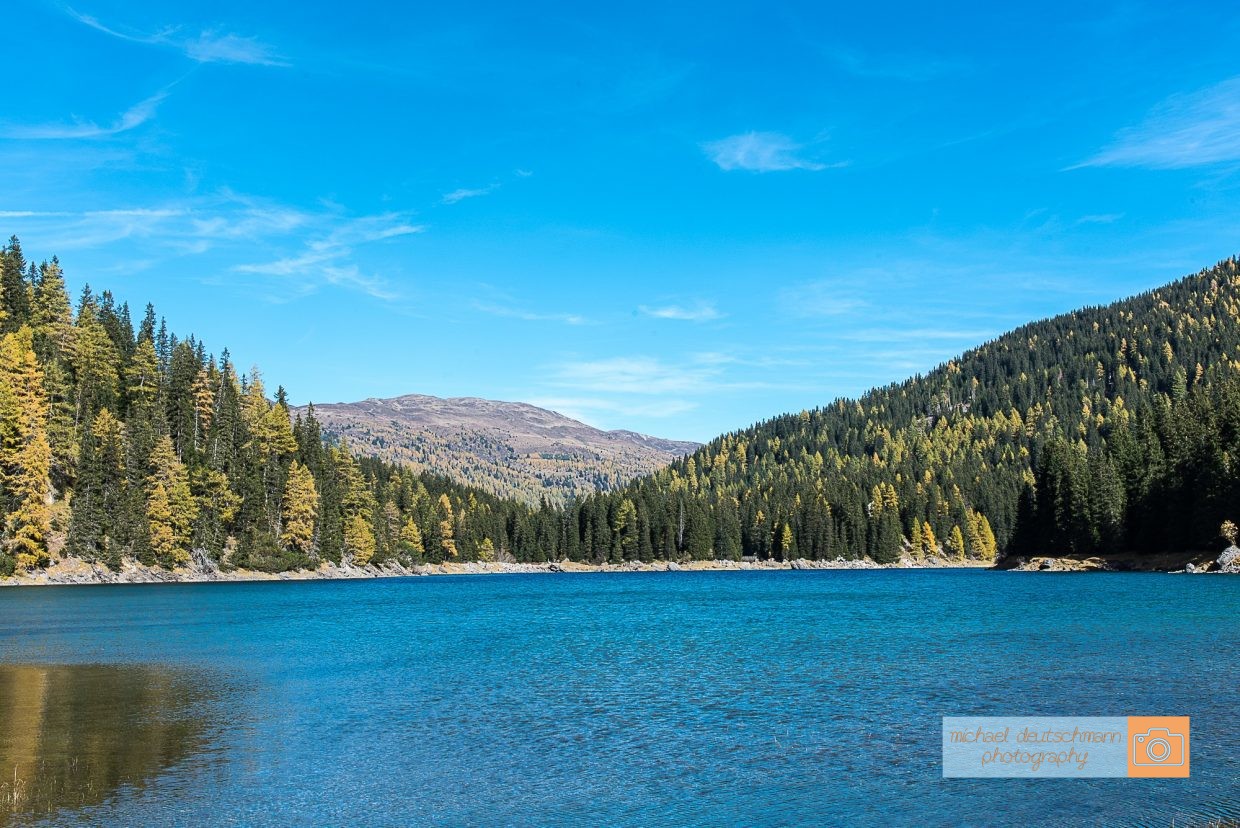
x: 1110, y: 429
x: 120, y: 441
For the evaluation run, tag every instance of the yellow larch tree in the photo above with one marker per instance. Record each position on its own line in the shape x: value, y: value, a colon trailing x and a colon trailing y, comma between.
x: 171, y: 507
x: 447, y: 527
x: 300, y: 509
x: 25, y: 454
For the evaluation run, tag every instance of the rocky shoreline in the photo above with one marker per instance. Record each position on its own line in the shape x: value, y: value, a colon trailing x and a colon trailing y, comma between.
x: 1192, y: 564
x: 70, y: 571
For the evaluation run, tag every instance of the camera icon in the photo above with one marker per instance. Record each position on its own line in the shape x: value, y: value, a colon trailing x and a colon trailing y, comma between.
x: 1158, y: 746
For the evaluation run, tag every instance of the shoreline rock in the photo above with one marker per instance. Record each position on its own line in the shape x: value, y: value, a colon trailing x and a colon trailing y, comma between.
x: 1229, y: 561
x: 1189, y: 563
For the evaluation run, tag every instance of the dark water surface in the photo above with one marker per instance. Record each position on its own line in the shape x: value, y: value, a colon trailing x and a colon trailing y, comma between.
x: 737, y: 698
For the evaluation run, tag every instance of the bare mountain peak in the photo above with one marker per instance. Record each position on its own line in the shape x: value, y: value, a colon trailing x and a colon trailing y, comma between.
x: 508, y: 448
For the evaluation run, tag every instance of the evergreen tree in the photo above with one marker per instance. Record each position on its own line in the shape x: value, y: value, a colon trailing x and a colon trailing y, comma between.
x: 359, y: 539
x: 301, y: 504
x: 954, y: 547
x: 99, y: 492
x: 929, y: 544
x: 25, y: 454
x: 171, y: 507
x: 14, y: 289
x: 445, y: 526
x: 411, y: 540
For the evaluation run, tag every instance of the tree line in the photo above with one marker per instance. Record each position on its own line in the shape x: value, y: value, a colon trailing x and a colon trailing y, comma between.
x: 1107, y: 429
x: 120, y: 440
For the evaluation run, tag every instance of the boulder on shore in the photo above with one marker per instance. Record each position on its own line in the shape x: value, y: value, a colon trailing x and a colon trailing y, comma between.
x: 1229, y: 561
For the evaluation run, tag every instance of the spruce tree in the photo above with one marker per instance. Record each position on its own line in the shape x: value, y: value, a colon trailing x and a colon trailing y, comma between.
x: 14, y: 289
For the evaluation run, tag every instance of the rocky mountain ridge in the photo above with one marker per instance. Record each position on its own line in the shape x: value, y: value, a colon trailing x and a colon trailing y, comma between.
x: 506, y: 448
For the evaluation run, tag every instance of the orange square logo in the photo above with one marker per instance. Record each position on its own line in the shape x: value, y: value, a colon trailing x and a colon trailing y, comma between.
x: 1158, y: 746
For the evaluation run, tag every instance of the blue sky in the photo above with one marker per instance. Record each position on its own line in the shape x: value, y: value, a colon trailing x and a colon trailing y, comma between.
x: 675, y: 220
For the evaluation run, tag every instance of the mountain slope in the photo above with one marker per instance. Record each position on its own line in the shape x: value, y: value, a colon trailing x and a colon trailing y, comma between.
x: 122, y: 443
x: 507, y: 449
x: 1109, y: 429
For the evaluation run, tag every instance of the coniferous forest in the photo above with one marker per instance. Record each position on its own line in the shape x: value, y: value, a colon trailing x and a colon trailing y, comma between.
x: 119, y: 439
x: 1109, y: 429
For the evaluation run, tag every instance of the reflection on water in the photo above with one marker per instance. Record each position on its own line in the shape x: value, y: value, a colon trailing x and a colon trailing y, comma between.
x: 73, y: 734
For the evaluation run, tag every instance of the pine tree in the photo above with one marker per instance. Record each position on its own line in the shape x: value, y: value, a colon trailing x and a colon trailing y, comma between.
x: 787, y: 544
x: 99, y: 492
x: 411, y: 540
x: 624, y: 528
x: 25, y: 454
x: 356, y: 509
x: 160, y: 535
x: 171, y: 507
x: 914, y: 538
x: 52, y: 315
x: 94, y: 364
x: 14, y: 289
x: 142, y: 378
x: 62, y: 431
x: 204, y: 406
x: 301, y: 504
x: 447, y: 528
x: 955, y: 544
x: 218, y: 505
x: 929, y: 544
x: 981, y: 537
x: 359, y: 539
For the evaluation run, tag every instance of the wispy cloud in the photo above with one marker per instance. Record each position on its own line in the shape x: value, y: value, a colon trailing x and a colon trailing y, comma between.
x: 510, y: 312
x: 463, y: 193
x: 635, y: 375
x: 1100, y: 218
x: 594, y: 410
x: 1186, y: 130
x: 619, y: 389
x: 161, y: 36
x: 208, y: 46
x: 761, y: 152
x: 223, y: 47
x: 914, y: 68
x: 701, y: 312
x: 313, y: 247
x: 615, y: 391
x: 966, y: 337
x: 68, y: 230
x: 326, y: 258
x: 646, y: 376
x: 825, y: 297
x: 134, y: 117
x: 242, y: 217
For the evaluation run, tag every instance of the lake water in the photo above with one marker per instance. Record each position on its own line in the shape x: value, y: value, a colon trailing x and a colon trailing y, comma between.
x: 694, y: 698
